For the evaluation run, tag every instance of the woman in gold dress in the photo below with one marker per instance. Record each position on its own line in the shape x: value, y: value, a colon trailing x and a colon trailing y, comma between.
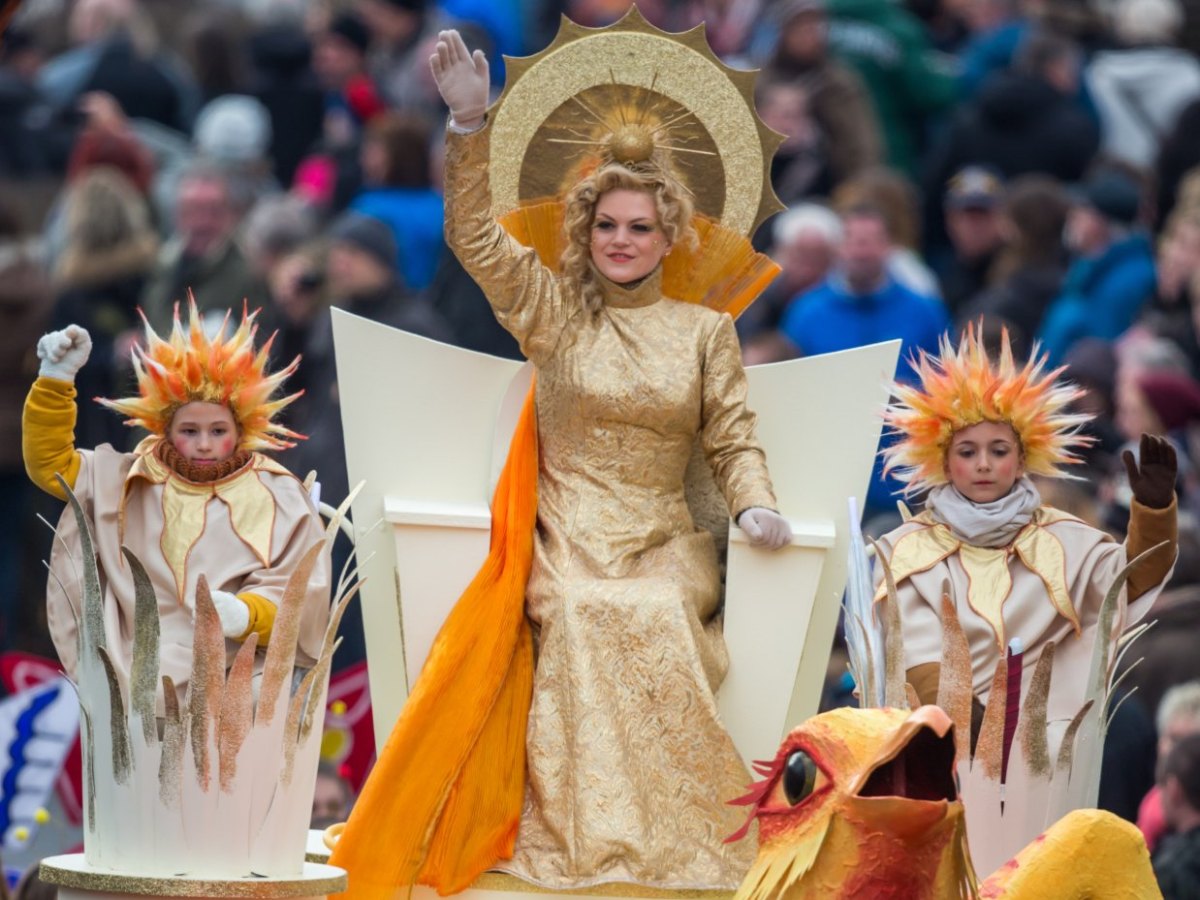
x: 629, y: 770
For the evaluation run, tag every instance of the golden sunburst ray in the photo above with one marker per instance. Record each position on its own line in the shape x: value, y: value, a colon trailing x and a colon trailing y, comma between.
x: 603, y: 83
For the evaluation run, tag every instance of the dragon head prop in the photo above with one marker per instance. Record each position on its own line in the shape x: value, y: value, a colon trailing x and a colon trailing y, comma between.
x: 854, y: 797
x: 865, y: 803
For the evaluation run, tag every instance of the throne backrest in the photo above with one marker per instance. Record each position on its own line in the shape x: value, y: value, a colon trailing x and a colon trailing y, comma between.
x: 427, y: 426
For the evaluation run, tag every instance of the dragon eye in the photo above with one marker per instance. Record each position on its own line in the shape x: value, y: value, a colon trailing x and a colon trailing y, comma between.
x: 799, y: 777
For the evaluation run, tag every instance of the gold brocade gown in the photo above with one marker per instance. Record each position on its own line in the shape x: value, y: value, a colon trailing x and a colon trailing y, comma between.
x: 629, y: 768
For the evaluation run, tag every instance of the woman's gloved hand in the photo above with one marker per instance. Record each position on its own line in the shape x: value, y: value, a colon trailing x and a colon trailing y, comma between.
x: 233, y: 613
x: 462, y: 79
x: 63, y: 353
x: 1152, y: 476
x: 765, y: 528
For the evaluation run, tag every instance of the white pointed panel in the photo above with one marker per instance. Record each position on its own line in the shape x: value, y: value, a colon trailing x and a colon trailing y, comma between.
x: 420, y: 421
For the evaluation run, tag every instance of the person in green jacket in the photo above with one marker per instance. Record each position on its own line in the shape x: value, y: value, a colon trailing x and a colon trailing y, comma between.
x: 907, y: 79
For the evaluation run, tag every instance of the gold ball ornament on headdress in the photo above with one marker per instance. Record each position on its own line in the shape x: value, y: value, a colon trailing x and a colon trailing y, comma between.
x: 632, y: 144
x: 641, y: 97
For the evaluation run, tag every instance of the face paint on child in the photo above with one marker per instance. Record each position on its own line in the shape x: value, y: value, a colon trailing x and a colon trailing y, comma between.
x: 984, y: 461
x: 204, y: 432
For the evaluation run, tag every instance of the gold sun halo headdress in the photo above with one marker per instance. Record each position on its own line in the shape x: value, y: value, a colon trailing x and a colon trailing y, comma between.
x: 190, y: 366
x: 962, y: 387
x: 632, y: 94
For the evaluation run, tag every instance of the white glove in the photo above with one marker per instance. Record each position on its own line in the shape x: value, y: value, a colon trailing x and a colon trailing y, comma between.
x: 462, y: 79
x: 765, y: 528
x: 233, y: 612
x: 63, y: 353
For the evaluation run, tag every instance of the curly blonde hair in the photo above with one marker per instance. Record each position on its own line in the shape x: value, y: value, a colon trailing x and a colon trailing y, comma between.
x: 671, y: 202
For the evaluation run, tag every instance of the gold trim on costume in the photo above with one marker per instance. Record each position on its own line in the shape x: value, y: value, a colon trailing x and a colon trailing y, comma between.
x: 185, y: 510
x: 1043, y: 554
x: 988, y: 577
x: 989, y: 582
x: 185, y: 507
x: 251, y: 512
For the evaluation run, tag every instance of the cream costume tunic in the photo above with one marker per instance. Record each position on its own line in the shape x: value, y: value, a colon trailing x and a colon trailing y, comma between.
x: 629, y: 768
x: 1047, y: 585
x: 243, y: 533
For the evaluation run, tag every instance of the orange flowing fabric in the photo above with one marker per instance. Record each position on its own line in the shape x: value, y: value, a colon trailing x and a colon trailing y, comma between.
x: 444, y: 799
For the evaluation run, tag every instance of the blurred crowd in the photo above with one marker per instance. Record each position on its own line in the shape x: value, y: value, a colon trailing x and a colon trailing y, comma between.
x: 1019, y: 164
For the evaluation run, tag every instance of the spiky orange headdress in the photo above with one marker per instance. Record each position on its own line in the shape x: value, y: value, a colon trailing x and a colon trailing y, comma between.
x: 190, y: 366
x: 963, y: 388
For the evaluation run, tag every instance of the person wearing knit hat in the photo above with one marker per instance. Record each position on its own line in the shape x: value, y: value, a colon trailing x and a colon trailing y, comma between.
x: 351, y: 29
x: 364, y: 277
x: 367, y: 235
x: 1171, y: 398
x: 398, y: 28
x: 1092, y: 366
x: 340, y: 63
x: 234, y: 129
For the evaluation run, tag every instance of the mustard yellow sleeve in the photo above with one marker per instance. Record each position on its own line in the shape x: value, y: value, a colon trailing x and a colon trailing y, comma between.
x: 48, y: 435
x: 262, y: 617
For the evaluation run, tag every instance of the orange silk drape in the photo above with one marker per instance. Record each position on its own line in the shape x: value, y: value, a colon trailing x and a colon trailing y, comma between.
x: 444, y: 799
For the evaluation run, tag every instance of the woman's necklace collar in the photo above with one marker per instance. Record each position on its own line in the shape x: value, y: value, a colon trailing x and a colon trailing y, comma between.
x: 645, y: 292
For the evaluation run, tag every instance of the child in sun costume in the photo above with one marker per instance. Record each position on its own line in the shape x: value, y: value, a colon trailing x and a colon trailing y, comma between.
x: 229, y: 515
x: 628, y: 766
x: 1010, y: 611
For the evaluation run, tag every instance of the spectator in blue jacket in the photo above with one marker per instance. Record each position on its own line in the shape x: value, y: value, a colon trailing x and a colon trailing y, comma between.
x: 997, y: 29
x: 1112, y: 274
x: 859, y: 303
x: 399, y: 192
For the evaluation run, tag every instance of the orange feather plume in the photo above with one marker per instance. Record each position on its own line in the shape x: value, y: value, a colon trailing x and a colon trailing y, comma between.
x: 960, y: 388
x: 189, y: 366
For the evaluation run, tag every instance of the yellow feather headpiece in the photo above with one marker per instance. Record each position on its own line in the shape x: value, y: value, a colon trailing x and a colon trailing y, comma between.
x: 190, y: 366
x: 960, y: 388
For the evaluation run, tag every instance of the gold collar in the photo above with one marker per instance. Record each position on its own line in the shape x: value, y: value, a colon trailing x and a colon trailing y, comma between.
x: 646, y: 292
x: 185, y: 504
x: 988, y: 577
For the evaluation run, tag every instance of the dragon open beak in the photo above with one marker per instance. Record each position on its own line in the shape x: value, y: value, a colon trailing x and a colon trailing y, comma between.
x: 916, y: 762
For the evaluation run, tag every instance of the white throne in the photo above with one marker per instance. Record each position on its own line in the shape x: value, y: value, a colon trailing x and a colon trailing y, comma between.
x: 427, y: 427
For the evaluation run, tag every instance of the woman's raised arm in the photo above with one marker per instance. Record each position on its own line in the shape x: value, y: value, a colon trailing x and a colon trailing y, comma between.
x: 524, y: 294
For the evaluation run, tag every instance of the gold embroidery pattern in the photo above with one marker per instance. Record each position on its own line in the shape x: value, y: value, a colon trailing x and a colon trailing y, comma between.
x: 629, y: 768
